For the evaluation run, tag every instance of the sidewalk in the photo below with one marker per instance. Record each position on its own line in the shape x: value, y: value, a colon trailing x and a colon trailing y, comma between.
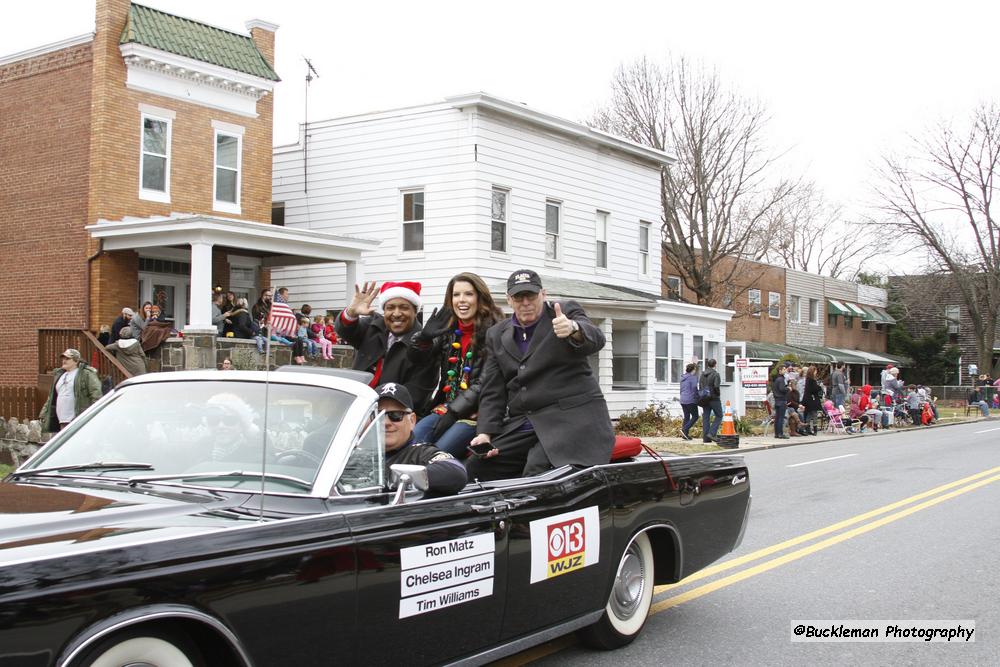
x: 749, y: 443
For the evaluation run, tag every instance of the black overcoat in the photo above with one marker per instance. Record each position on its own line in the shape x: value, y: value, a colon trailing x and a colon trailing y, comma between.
x: 552, y: 385
x: 368, y: 336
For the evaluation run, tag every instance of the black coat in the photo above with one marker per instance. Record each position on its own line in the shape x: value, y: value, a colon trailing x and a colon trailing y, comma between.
x: 438, y: 352
x: 368, y: 336
x: 119, y: 323
x: 811, y: 396
x: 551, y: 385
x: 241, y: 324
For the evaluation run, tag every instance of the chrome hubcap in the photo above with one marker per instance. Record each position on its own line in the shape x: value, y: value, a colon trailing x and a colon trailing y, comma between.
x: 630, y: 583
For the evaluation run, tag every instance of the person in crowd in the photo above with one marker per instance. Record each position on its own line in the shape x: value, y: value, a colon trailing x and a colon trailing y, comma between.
x: 155, y: 331
x: 812, y: 400
x: 779, y: 388
x: 138, y: 322
x: 838, y: 385
x: 227, y: 364
x: 317, y: 337
x: 220, y: 312
x: 445, y: 474
x: 914, y: 404
x: 711, y: 406
x: 128, y: 351
x: 121, y: 321
x: 240, y: 323
x: 793, y: 412
x: 857, y: 413
x: 792, y: 372
x: 984, y: 380
x: 454, y: 340
x: 870, y: 407
x: 302, y: 345
x: 689, y: 399
x: 262, y: 308
x: 540, y: 404
x: 155, y: 314
x: 329, y: 332
x: 104, y: 334
x: 975, y: 398
x: 380, y: 333
x: 75, y: 387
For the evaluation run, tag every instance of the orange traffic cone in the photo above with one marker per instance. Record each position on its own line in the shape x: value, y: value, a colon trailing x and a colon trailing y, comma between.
x: 728, y: 427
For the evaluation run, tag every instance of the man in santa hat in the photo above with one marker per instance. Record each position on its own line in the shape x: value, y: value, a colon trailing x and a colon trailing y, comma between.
x: 378, y: 324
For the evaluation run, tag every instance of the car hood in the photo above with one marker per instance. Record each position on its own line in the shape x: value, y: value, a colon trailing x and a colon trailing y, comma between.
x: 40, y: 519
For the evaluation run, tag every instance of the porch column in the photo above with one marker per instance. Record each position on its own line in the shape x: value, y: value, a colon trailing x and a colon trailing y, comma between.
x: 353, y: 275
x: 201, y: 290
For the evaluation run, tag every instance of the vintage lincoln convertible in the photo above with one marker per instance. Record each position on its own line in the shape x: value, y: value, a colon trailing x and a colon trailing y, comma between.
x: 243, y: 518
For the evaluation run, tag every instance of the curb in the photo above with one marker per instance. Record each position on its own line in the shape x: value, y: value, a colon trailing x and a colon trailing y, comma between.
x: 806, y: 440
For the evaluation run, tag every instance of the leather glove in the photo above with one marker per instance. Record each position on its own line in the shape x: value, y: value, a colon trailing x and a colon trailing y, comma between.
x: 444, y: 423
x: 438, y: 323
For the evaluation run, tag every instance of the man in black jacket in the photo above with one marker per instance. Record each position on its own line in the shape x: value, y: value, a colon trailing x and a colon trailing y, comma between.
x: 780, y: 390
x: 712, y: 405
x: 381, y: 340
x: 540, y: 405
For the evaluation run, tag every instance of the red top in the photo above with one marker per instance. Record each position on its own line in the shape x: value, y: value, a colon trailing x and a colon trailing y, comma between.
x: 468, y: 331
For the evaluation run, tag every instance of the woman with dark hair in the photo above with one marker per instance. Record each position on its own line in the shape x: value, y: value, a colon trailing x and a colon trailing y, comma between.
x: 139, y: 320
x: 689, y: 399
x: 811, y: 399
x: 455, y: 337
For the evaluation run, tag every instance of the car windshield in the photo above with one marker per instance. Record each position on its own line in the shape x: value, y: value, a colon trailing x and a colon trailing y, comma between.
x: 168, y: 429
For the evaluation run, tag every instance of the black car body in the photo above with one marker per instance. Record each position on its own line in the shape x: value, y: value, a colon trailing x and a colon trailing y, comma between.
x: 317, y: 562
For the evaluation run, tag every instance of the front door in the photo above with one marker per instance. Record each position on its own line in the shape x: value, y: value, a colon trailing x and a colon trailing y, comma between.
x: 431, y: 577
x: 170, y: 293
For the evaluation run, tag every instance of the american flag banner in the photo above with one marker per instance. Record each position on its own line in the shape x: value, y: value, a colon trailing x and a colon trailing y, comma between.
x: 281, y: 320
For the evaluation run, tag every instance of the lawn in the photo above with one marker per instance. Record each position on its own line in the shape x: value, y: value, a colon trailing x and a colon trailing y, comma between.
x: 4, y: 469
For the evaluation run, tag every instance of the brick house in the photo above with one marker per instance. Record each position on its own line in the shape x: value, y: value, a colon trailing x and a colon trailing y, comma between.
x: 104, y: 138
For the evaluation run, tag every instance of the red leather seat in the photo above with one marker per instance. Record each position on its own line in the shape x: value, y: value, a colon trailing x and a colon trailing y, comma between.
x: 625, y: 448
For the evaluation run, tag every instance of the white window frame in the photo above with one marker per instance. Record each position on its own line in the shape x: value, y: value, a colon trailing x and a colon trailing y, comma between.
x: 814, y: 312
x: 680, y: 285
x: 751, y: 301
x: 657, y: 358
x: 675, y: 356
x: 627, y: 384
x: 773, y: 306
x: 795, y: 309
x: 236, y: 132
x: 952, y: 322
x: 557, y: 245
x: 162, y: 116
x: 601, y: 223
x: 645, y: 231
x: 505, y: 222
x: 403, y: 222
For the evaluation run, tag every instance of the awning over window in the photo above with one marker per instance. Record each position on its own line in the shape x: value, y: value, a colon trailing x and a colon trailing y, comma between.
x: 857, y: 309
x: 834, y: 307
x: 870, y: 315
x: 886, y: 317
x: 806, y: 354
x: 881, y: 359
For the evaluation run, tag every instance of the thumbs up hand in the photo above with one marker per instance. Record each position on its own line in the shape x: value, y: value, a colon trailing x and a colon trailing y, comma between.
x: 562, y: 325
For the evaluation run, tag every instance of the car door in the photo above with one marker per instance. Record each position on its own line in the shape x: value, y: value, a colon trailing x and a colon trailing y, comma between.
x: 559, y: 553
x: 432, y: 574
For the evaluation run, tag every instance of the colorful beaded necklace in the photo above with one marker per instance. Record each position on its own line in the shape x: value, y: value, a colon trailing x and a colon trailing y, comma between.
x: 460, y: 368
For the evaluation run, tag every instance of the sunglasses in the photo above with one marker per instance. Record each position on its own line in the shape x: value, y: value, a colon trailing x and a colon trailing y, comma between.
x: 397, y: 415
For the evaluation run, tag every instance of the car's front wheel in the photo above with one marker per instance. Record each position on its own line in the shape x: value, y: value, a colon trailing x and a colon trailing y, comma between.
x: 154, y: 648
x: 628, y: 604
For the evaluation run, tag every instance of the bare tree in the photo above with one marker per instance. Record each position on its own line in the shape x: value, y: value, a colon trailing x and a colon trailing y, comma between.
x: 810, y: 234
x: 720, y: 193
x: 939, y: 198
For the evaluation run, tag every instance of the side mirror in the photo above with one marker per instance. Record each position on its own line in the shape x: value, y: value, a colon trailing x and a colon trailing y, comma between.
x: 408, y: 476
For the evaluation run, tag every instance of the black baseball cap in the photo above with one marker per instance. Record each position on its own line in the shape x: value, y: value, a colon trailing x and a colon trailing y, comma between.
x: 523, y: 280
x: 396, y: 392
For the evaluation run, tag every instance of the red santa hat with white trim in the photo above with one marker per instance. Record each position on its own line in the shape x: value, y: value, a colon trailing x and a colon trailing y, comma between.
x: 399, y: 290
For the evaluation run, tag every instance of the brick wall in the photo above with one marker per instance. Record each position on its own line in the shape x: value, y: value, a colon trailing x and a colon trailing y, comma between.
x: 44, y: 144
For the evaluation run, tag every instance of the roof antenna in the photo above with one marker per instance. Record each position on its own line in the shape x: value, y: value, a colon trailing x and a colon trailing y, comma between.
x: 310, y: 71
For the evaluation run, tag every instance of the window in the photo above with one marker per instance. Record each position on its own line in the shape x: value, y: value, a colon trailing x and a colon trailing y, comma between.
x: 814, y: 311
x: 155, y: 167
x: 753, y: 300
x: 848, y: 321
x: 698, y: 351
x: 498, y: 220
x: 227, y: 172
x: 952, y: 314
x: 794, y: 312
x: 413, y: 220
x: 865, y: 325
x: 625, y: 356
x: 278, y: 213
x: 644, y: 228
x: 602, y: 240
x: 669, y: 356
x: 674, y: 287
x: 774, y: 305
x: 831, y: 320
x: 552, y: 214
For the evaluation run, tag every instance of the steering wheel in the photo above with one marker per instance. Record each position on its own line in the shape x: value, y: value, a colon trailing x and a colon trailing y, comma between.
x: 294, y: 454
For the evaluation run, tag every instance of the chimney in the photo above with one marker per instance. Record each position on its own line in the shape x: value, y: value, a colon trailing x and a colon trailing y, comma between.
x: 262, y: 34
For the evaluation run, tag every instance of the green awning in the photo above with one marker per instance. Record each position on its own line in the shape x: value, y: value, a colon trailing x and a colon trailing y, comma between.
x: 858, y: 311
x: 806, y: 354
x: 834, y: 307
x: 870, y: 315
x: 829, y: 355
x: 886, y: 317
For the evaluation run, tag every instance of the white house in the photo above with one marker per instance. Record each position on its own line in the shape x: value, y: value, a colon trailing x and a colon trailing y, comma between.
x: 483, y: 184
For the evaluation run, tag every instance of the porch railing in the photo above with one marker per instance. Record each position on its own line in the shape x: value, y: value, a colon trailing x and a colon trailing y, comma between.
x: 53, y: 342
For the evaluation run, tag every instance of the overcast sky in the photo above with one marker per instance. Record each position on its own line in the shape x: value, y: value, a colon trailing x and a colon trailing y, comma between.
x: 843, y: 81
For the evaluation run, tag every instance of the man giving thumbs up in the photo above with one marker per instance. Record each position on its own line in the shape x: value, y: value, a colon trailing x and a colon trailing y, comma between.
x: 540, y: 406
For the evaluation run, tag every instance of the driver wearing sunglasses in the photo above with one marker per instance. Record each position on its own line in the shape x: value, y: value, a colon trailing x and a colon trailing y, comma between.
x: 445, y: 474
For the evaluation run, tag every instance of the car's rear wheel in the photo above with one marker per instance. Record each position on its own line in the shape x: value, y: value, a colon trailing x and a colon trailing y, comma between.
x: 138, y: 648
x: 628, y: 604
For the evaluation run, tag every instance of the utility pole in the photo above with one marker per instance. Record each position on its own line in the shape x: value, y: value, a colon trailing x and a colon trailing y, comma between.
x: 310, y: 72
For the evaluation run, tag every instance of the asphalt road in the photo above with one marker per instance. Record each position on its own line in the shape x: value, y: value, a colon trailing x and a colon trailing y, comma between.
x: 903, y: 526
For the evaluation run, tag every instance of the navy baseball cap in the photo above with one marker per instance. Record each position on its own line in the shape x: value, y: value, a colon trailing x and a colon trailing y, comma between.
x: 395, y: 392
x: 524, y: 280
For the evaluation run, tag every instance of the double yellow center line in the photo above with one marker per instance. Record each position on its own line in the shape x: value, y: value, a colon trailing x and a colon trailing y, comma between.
x: 893, y: 512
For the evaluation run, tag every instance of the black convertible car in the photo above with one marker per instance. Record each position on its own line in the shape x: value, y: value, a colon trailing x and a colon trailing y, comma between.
x: 206, y: 518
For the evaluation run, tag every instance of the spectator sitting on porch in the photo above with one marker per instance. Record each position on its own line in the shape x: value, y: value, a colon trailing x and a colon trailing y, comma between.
x: 261, y: 309
x: 121, y: 321
x: 239, y: 322
x: 316, y: 335
x: 302, y: 344
x: 219, y: 312
x: 128, y: 352
x: 329, y: 332
x: 155, y: 314
x: 976, y: 398
x: 139, y: 319
x: 306, y: 311
x: 231, y: 302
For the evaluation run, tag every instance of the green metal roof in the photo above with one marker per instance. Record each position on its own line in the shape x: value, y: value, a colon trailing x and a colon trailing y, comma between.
x: 191, y: 39
x: 834, y: 307
x: 886, y: 317
x: 871, y: 315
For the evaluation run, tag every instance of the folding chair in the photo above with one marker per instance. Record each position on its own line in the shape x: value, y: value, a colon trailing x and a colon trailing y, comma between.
x: 835, y: 422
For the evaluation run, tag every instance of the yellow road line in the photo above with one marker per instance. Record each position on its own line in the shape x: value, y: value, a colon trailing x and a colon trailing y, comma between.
x: 813, y: 548
x: 807, y: 537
